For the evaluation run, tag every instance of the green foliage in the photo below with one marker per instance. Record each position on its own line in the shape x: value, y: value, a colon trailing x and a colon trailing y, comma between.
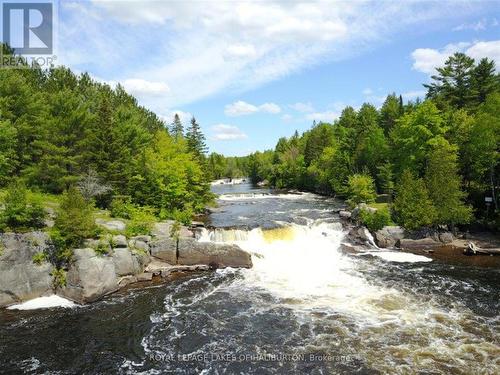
x: 443, y: 184
x: 55, y: 126
x: 376, y: 220
x: 413, y: 207
x: 196, y: 140
x: 58, y: 277
x: 74, y: 221
x: 141, y: 221
x: 103, y: 247
x: 460, y: 83
x: 40, y: 258
x: 360, y: 189
x: 121, y: 207
x: 21, y: 212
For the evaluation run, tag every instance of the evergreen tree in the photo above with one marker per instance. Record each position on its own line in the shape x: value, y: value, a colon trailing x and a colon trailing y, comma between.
x: 484, y: 79
x: 176, y: 128
x: 453, y: 83
x: 74, y: 221
x: 443, y: 184
x: 412, y: 205
x: 196, y: 140
x: 391, y: 110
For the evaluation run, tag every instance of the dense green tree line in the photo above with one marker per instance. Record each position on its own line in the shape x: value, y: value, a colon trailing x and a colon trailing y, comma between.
x: 438, y: 158
x: 57, y: 127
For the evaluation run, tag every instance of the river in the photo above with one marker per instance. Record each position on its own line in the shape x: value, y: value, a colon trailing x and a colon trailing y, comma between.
x: 305, y: 307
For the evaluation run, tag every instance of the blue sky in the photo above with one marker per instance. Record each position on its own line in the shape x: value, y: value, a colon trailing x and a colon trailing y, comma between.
x: 251, y: 72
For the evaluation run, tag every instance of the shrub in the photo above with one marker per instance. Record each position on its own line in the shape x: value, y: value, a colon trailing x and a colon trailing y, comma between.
x: 360, y: 188
x: 121, y: 207
x: 21, y: 212
x: 412, y: 206
x: 39, y: 258
x: 75, y: 220
x: 103, y: 247
x: 141, y: 222
x: 376, y: 220
x: 58, y: 277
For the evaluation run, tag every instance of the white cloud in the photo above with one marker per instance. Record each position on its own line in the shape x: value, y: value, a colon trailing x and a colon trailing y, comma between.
x: 185, y: 117
x: 287, y: 118
x: 412, y: 95
x: 141, y: 87
x: 241, y: 108
x: 427, y: 59
x: 241, y: 50
x: 367, y: 91
x: 223, y: 132
x: 486, y: 49
x: 302, y: 107
x: 327, y: 116
x: 270, y: 108
x: 204, y: 49
x: 476, y: 26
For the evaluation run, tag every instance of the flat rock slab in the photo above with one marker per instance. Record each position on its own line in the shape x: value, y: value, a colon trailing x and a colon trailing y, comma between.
x: 112, y: 225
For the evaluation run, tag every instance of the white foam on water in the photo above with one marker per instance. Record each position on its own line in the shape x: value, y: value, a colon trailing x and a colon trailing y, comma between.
x: 400, y: 257
x: 255, y: 196
x: 44, y: 303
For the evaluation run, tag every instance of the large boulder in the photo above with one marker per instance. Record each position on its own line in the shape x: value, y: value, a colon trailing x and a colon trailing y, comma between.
x: 125, y: 262
x: 192, y: 252
x: 20, y: 278
x: 119, y: 241
x: 421, y: 244
x: 388, y: 236
x: 164, y: 248
x: 90, y: 277
x: 345, y: 214
x: 216, y: 255
x: 446, y: 237
x: 360, y: 236
x: 163, y: 229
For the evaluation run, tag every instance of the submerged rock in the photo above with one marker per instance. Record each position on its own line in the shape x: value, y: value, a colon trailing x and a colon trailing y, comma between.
x: 20, y: 278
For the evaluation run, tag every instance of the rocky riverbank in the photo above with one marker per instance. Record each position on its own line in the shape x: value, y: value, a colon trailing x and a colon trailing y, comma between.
x: 437, y: 244
x: 93, y: 274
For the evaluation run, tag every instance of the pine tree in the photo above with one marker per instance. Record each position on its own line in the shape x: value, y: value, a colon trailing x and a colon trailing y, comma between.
x: 176, y: 128
x: 453, y: 83
x: 196, y: 139
x: 484, y: 79
x: 443, y: 183
x: 389, y: 113
x: 412, y: 206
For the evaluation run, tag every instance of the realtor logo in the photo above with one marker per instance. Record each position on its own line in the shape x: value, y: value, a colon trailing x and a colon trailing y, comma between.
x: 28, y: 27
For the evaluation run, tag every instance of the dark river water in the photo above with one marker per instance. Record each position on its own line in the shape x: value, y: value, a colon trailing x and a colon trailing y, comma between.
x: 305, y: 307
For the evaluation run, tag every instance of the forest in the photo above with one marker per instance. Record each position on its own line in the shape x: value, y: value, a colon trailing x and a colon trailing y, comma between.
x: 59, y: 130
x: 436, y: 161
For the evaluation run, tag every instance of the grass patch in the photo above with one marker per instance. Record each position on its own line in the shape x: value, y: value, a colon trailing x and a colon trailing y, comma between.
x: 379, y: 206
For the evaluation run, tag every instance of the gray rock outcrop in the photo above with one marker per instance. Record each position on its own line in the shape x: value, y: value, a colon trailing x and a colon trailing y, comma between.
x: 421, y: 244
x: 388, y: 236
x: 192, y: 252
x: 90, y: 277
x: 20, y: 278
